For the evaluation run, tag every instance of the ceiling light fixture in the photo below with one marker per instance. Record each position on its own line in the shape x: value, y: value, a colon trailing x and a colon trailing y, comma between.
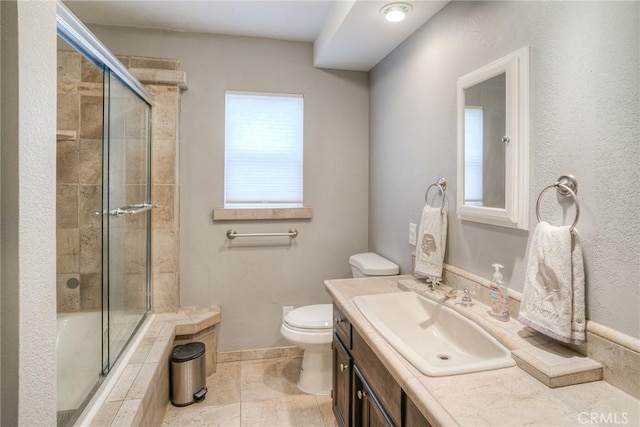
x: 396, y: 12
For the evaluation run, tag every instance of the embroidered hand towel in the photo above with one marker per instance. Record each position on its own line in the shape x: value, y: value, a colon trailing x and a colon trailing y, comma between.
x: 431, y: 243
x: 553, y: 296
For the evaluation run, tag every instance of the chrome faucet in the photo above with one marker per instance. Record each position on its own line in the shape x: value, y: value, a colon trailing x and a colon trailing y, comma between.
x: 435, y: 284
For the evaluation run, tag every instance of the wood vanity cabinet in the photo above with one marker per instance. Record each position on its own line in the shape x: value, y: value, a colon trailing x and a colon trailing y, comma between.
x: 364, y: 393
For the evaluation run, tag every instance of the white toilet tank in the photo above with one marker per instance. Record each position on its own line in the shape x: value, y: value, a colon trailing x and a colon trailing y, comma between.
x: 372, y: 264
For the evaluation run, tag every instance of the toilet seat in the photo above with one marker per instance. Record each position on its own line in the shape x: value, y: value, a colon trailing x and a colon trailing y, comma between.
x: 310, y: 318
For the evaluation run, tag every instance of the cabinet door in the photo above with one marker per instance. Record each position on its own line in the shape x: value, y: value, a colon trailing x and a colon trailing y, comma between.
x: 367, y: 410
x: 341, y: 382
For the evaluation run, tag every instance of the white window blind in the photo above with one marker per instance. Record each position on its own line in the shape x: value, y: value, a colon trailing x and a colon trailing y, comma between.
x: 473, y: 149
x: 263, y: 150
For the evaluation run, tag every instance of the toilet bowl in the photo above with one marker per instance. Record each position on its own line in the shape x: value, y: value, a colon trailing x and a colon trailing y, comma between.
x: 311, y: 327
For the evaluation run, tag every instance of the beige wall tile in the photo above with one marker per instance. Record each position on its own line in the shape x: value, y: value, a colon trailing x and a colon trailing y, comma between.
x: 164, y: 215
x: 136, y: 120
x: 135, y: 292
x: 157, y: 63
x: 136, y: 158
x: 90, y: 250
x: 621, y: 366
x: 90, y: 161
x: 163, y: 161
x: 90, y: 73
x: 68, y: 250
x: 89, y: 202
x: 67, y: 162
x: 67, y: 299
x: 68, y: 66
x: 91, y: 291
x: 135, y: 194
x: 165, y: 293
x: 164, y: 251
x: 164, y: 117
x: 135, y: 251
x: 67, y: 206
x: 90, y: 89
x: 91, y: 117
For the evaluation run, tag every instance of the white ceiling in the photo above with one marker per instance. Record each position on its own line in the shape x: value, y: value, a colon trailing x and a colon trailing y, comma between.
x: 347, y: 34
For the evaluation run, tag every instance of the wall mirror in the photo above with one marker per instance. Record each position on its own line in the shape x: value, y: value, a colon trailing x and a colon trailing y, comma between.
x: 493, y: 142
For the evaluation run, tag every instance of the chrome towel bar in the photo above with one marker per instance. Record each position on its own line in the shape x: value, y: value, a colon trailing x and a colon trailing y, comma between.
x: 232, y: 234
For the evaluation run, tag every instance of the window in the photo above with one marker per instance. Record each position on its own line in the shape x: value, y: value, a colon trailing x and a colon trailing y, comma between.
x: 263, y: 150
x: 473, y: 147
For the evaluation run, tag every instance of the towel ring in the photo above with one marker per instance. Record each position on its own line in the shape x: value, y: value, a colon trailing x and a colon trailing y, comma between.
x: 566, y: 186
x: 441, y: 185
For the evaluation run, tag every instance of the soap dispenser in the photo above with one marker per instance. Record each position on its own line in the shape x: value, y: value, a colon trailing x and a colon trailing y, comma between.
x: 499, y: 295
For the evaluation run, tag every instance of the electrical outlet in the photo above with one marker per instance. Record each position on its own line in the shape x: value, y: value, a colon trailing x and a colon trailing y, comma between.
x: 285, y: 310
x: 412, y: 234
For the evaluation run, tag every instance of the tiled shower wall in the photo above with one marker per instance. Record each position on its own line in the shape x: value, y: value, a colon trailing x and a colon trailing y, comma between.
x: 79, y: 181
x: 79, y: 184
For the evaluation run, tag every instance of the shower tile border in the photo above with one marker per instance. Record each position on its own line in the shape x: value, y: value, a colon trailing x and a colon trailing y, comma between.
x: 142, y: 388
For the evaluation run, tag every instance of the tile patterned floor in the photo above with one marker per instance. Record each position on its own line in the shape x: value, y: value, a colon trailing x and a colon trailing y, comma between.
x: 253, y: 394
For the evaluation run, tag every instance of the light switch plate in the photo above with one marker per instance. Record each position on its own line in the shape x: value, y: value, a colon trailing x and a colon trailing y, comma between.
x: 412, y: 234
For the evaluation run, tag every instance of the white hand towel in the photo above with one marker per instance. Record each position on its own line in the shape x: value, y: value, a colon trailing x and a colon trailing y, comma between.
x: 431, y: 243
x: 553, y: 297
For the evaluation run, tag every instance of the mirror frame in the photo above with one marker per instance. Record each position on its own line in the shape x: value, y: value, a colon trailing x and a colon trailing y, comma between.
x: 516, y: 211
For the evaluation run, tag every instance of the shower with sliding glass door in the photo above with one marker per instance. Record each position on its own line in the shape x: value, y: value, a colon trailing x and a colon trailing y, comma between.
x: 103, y: 213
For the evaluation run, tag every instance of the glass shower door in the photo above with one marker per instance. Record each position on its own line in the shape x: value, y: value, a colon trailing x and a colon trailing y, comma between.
x: 127, y: 294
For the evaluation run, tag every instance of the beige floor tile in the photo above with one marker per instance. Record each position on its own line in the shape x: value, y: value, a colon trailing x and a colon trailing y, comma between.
x: 270, y: 379
x: 292, y: 411
x: 269, y: 394
x: 223, y: 387
x: 198, y: 415
x: 326, y: 410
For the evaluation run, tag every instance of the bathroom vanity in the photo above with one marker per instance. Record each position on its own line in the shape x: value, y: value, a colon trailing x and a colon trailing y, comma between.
x: 374, y: 385
x: 364, y: 392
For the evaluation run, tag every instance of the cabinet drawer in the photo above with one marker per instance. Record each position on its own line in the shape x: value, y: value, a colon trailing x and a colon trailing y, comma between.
x: 342, y: 327
x: 380, y: 380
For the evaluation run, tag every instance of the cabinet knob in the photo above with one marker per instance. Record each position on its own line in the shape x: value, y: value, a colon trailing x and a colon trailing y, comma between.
x: 361, y: 394
x: 343, y: 367
x: 338, y: 320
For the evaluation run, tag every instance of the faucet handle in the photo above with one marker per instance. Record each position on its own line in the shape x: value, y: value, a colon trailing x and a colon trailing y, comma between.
x: 466, y: 299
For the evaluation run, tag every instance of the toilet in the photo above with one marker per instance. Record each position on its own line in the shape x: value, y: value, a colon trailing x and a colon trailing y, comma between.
x: 311, y: 327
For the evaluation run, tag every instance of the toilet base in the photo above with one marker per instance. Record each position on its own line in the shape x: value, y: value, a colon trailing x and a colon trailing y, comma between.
x: 315, y: 375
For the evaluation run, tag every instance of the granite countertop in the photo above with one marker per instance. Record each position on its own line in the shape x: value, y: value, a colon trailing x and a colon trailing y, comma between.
x: 502, y: 397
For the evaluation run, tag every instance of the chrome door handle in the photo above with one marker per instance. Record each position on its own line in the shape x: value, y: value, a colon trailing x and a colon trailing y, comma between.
x: 132, y: 209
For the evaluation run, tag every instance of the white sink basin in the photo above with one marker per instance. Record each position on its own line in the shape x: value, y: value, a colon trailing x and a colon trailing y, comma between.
x: 436, y: 340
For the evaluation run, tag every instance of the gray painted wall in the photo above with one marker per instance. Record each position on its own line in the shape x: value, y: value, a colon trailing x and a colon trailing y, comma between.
x: 584, y: 121
x: 253, y: 282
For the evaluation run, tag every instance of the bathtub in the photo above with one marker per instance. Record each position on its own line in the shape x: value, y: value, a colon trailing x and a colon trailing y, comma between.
x: 79, y: 356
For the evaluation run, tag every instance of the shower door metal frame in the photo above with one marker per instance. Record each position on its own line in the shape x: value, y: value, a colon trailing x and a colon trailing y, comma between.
x: 78, y: 36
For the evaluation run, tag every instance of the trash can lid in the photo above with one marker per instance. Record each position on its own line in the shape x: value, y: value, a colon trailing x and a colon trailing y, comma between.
x: 186, y: 352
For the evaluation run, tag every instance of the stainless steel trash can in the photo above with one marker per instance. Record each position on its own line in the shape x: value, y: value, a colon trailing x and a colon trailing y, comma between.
x: 188, y: 374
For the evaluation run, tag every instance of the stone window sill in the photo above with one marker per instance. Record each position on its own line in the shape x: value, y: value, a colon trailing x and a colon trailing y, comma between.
x: 221, y: 214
